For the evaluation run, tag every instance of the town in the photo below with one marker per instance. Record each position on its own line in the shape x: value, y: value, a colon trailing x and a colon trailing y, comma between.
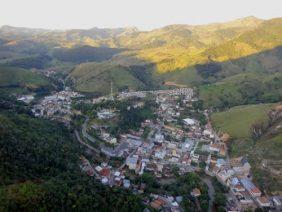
x: 175, y: 139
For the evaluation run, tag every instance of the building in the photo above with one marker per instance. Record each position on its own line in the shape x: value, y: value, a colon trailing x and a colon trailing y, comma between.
x: 131, y: 162
x: 241, y: 166
x: 238, y: 188
x: 158, y: 203
x: 189, y: 121
x: 250, y: 187
x: 276, y: 201
x: 196, y: 192
x: 159, y: 138
x: 263, y: 201
x: 105, y: 114
x: 126, y: 183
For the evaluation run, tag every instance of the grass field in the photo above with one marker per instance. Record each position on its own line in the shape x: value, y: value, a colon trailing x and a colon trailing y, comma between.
x: 237, y: 121
x: 17, y: 77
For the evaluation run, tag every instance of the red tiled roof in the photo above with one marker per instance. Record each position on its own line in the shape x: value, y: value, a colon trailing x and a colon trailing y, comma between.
x: 105, y: 172
x: 255, y: 190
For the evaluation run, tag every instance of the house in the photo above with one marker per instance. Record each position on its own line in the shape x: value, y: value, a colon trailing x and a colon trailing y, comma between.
x: 98, y: 168
x: 241, y: 166
x: 250, y: 187
x: 276, y: 201
x: 117, y: 174
x: 208, y: 133
x: 158, y: 203
x: 105, y: 114
x: 159, y: 167
x: 105, y: 180
x: 131, y: 162
x: 105, y: 172
x: 189, y: 121
x: 196, y: 192
x: 160, y: 154
x: 159, y: 138
x: 263, y: 201
x: 126, y: 183
x: 117, y: 181
x: 238, y: 188
x: 195, y: 158
x: 218, y: 148
x: 224, y: 175
x: 220, y: 162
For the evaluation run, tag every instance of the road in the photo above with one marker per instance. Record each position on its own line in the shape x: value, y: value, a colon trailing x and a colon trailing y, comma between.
x: 84, y: 132
x: 85, y: 144
x: 211, y: 192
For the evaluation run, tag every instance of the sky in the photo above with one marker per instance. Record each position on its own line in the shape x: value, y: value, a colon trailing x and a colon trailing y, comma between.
x: 144, y: 14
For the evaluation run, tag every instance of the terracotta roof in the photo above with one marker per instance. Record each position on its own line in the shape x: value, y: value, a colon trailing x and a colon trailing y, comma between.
x: 157, y: 203
x: 255, y: 190
x: 239, y: 187
x: 105, y: 172
x: 196, y: 192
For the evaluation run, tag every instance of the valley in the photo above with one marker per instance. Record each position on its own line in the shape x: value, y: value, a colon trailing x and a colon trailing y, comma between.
x: 179, y: 118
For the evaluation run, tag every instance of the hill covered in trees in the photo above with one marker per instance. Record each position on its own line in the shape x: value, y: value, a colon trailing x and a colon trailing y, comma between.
x: 39, y: 169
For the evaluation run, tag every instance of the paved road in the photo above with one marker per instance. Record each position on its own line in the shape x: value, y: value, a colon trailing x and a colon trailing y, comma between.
x: 84, y: 132
x: 210, y: 191
x: 85, y: 144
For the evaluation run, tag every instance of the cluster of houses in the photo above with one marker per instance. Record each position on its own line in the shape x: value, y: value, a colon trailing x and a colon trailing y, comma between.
x: 56, y: 106
x: 236, y: 175
x: 187, y: 92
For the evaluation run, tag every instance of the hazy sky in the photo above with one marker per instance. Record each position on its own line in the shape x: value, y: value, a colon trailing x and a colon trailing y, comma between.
x: 145, y: 14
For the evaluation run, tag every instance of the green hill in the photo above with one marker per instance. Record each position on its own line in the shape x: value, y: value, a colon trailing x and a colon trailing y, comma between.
x: 264, y: 152
x: 184, y: 54
x: 238, y: 120
x: 11, y: 77
x: 97, y: 78
x: 175, y: 54
x: 84, y: 54
x: 39, y: 169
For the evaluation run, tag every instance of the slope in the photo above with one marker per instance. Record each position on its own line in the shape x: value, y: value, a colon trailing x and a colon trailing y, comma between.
x: 264, y: 152
x: 39, y: 169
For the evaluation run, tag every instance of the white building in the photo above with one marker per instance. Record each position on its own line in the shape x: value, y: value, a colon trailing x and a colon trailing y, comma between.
x: 131, y: 162
x: 189, y: 121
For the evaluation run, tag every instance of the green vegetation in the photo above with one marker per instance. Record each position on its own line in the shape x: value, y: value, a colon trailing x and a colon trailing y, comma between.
x: 220, y: 193
x: 237, y: 121
x: 16, y: 77
x: 180, y: 186
x: 131, y: 118
x: 243, y: 89
x: 227, y: 59
x: 39, y: 168
x: 85, y: 54
x: 97, y: 78
x: 38, y: 62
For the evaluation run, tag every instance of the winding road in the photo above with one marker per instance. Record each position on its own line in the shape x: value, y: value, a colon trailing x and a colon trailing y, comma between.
x: 211, y: 192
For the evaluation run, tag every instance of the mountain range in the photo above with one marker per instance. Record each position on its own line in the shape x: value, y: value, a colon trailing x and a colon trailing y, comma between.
x: 176, y: 55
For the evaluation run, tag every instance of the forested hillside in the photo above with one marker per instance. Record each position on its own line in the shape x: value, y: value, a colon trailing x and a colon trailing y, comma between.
x: 39, y: 168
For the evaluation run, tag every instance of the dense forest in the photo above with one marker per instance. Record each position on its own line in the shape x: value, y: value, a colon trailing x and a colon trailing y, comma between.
x: 39, y: 168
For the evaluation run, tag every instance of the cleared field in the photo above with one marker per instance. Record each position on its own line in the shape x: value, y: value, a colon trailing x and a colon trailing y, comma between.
x: 263, y: 154
x: 237, y: 121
